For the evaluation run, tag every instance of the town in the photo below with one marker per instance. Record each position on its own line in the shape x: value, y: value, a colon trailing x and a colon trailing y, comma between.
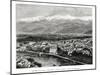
x: 65, y: 48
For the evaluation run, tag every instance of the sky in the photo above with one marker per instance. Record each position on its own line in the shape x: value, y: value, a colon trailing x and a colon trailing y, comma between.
x: 29, y: 12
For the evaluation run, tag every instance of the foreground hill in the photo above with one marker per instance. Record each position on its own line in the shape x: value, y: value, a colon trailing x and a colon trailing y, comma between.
x: 38, y: 37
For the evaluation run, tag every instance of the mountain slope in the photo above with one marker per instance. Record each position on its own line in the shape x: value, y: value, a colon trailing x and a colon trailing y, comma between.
x: 54, y: 26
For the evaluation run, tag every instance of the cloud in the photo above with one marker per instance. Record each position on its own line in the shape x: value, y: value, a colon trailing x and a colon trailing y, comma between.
x: 38, y: 11
x: 54, y: 17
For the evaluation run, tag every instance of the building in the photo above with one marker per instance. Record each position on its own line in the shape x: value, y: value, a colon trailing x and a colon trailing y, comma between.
x: 53, y: 49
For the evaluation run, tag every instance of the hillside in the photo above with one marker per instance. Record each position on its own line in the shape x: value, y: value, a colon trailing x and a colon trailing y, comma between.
x: 54, y: 26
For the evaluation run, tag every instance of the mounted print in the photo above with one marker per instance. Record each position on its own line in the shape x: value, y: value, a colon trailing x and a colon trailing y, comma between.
x: 52, y: 37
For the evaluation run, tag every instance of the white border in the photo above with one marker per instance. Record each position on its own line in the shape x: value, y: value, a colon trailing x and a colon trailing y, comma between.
x: 46, y: 69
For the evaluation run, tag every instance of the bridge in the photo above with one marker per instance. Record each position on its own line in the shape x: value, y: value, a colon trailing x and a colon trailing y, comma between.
x: 49, y: 54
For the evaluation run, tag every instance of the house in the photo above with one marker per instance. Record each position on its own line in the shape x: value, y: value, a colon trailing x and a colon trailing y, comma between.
x: 53, y: 49
x: 23, y: 48
x: 32, y: 43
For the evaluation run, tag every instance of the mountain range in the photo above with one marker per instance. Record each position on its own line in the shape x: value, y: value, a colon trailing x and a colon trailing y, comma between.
x: 54, y: 26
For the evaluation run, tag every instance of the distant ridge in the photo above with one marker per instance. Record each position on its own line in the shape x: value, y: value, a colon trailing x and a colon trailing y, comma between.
x: 54, y: 26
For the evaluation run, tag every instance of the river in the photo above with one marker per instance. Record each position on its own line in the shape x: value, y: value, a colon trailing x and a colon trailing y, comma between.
x: 47, y: 60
